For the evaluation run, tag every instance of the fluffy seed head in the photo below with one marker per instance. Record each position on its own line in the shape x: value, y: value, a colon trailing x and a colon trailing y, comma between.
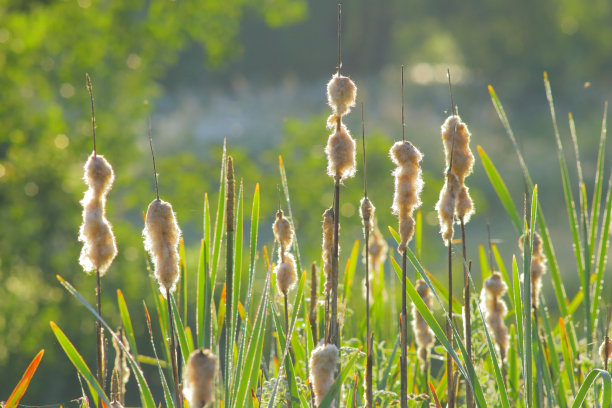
x: 340, y: 152
x: 377, y: 247
x: 199, y: 378
x: 96, y: 234
x: 456, y: 139
x: 323, y: 361
x: 341, y: 94
x: 285, y: 274
x: 161, y: 239
x: 328, y: 245
x: 367, y: 213
x: 495, y: 310
x: 282, y: 230
x: 423, y: 334
x: 408, y: 187
x: 605, y: 350
x: 538, y: 266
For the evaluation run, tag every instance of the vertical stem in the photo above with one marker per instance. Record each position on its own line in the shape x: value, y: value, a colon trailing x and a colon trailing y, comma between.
x: 368, y: 330
x: 334, y: 323
x: 449, y: 330
x: 99, y: 343
x: 173, y: 355
x: 466, y: 308
x: 313, y: 303
x: 229, y: 275
x: 404, y: 338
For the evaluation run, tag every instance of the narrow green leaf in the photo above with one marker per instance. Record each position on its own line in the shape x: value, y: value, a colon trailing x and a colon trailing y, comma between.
x: 167, y: 394
x: 604, y: 243
x: 589, y: 381
x: 127, y: 322
x: 349, y: 272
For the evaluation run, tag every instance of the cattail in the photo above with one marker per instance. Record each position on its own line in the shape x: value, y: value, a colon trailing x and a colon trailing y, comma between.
x: 162, y: 236
x: 282, y: 230
x: 605, y: 350
x: 121, y: 369
x: 408, y: 187
x: 367, y: 213
x: 538, y: 266
x: 377, y: 247
x: 199, y: 378
x: 495, y: 310
x: 340, y: 151
x: 341, y: 94
x: 285, y: 274
x: 323, y: 362
x: 423, y: 334
x: 96, y: 234
x: 328, y: 245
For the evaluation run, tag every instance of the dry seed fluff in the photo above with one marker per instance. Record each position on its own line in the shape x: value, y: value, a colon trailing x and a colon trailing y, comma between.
x: 495, y: 310
x: 538, y: 267
x: 161, y: 239
x: 323, y: 362
x: 285, y: 274
x: 96, y: 234
x: 367, y: 213
x: 340, y: 151
x: 199, y: 378
x: 408, y: 187
x: 603, y: 353
x: 377, y: 248
x: 282, y: 230
x: 328, y: 245
x: 424, y: 336
x: 341, y: 94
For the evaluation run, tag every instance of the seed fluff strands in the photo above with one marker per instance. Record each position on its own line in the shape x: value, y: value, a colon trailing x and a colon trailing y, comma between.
x: 424, y: 336
x: 495, y: 311
x: 285, y: 268
x: 323, y: 361
x: 199, y: 378
x: 538, y: 267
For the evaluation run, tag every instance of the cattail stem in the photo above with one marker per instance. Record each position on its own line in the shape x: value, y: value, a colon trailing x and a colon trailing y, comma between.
x: 99, y: 343
x: 466, y: 309
x: 334, y: 322
x: 93, y: 116
x: 449, y: 330
x: 404, y: 338
x: 173, y: 354
x: 312, y: 316
x: 369, y: 335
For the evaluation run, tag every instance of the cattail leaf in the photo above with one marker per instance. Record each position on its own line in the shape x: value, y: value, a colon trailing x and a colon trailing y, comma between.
x: 78, y: 362
x: 328, y: 400
x: 418, y: 234
x: 554, y: 365
x: 588, y: 383
x: 179, y: 330
x: 604, y: 243
x: 183, y: 278
x: 568, y: 357
x: 502, y: 269
x: 500, y: 188
x: 167, y: 394
x: 127, y: 322
x: 220, y: 220
x: 22, y: 385
x: 146, y: 398
x: 485, y: 270
x: 202, y: 296
x: 349, y: 272
x: 599, y: 176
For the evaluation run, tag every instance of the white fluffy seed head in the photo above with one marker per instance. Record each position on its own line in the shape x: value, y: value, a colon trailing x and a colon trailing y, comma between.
x: 367, y: 213
x: 377, y: 248
x: 161, y: 240
x: 340, y: 152
x: 283, y: 232
x: 285, y: 274
x: 456, y: 139
x: 408, y: 186
x: 199, y: 378
x: 96, y: 234
x: 424, y: 336
x: 323, y: 362
x: 495, y: 310
x: 341, y: 94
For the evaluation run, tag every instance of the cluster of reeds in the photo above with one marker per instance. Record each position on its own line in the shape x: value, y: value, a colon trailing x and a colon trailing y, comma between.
x: 527, y: 354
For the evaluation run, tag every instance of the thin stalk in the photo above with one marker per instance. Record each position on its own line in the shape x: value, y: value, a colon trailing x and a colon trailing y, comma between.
x: 449, y: 359
x: 334, y: 323
x: 99, y: 342
x: 93, y: 115
x: 229, y: 274
x: 466, y: 309
x: 312, y: 317
x: 404, y: 338
x: 173, y: 355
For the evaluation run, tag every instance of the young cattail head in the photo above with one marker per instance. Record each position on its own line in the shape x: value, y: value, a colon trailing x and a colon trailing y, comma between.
x: 285, y: 274
x: 495, y: 310
x: 323, y: 362
x: 367, y: 213
x: 456, y: 139
x: 328, y: 245
x: 199, y: 378
x: 161, y: 239
x: 96, y: 234
x: 408, y: 187
x: 340, y: 152
x: 341, y: 94
x: 538, y: 266
x: 605, y: 350
x: 423, y: 334
x: 282, y: 230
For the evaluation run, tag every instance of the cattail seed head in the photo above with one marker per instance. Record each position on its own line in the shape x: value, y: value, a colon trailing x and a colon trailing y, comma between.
x: 285, y: 274
x: 408, y: 187
x: 367, y: 213
x: 161, y: 239
x: 605, y: 350
x: 341, y: 94
x: 423, y: 334
x: 377, y: 248
x: 323, y: 362
x: 282, y: 230
x: 456, y: 139
x: 446, y: 206
x: 328, y: 246
x: 96, y: 234
x: 495, y: 310
x: 199, y: 378
x: 340, y: 152
x: 538, y: 266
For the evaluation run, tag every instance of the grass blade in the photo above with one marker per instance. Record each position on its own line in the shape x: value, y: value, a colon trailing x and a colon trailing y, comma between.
x: 589, y: 381
x: 22, y: 385
x: 167, y: 394
x: 604, y: 243
x: 127, y: 322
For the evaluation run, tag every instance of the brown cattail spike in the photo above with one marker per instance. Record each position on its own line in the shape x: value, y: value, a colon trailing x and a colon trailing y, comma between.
x: 408, y: 187
x: 323, y: 362
x: 424, y: 336
x: 495, y: 310
x: 605, y: 351
x: 199, y: 378
x: 538, y: 267
x: 162, y: 235
x: 367, y: 213
x: 327, y: 246
x: 96, y: 234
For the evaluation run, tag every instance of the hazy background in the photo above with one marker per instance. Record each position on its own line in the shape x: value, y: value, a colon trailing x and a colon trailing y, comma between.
x: 254, y: 72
